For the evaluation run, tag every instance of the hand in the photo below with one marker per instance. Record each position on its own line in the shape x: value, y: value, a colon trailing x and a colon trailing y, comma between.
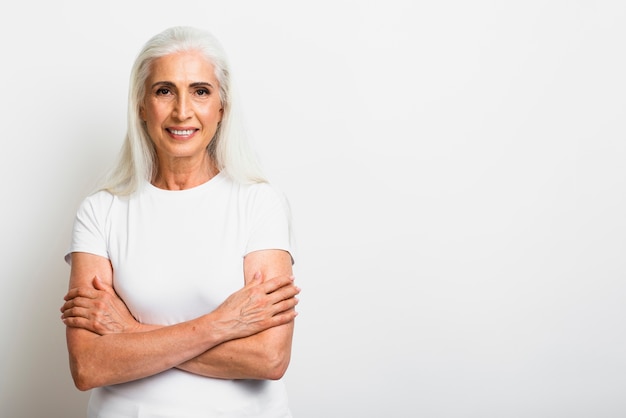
x: 97, y: 309
x: 258, y: 306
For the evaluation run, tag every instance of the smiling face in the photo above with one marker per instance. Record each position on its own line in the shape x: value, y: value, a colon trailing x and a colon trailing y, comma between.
x: 181, y: 107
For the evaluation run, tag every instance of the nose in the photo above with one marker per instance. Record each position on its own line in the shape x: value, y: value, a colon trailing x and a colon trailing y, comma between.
x: 183, y: 109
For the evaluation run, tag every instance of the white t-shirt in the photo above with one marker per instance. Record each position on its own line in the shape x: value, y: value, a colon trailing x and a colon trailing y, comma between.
x: 177, y: 255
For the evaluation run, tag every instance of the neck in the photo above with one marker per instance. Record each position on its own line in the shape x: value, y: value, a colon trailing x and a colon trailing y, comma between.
x: 181, y: 174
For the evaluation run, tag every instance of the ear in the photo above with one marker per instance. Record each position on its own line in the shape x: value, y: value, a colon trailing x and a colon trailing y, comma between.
x: 142, y: 113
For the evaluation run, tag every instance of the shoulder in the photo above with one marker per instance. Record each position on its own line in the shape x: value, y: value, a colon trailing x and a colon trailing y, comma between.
x: 99, y: 204
x: 97, y: 201
x: 101, y: 197
x: 262, y: 194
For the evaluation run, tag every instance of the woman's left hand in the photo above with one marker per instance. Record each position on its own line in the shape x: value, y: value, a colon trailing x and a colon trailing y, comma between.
x: 98, y: 309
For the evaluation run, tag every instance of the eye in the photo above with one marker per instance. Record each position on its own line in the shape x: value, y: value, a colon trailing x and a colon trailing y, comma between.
x: 203, y: 92
x: 163, y: 91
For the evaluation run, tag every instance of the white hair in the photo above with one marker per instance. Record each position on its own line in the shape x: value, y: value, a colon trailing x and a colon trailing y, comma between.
x: 229, y: 148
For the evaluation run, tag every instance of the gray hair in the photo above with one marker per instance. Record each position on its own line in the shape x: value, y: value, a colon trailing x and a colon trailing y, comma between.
x: 229, y: 148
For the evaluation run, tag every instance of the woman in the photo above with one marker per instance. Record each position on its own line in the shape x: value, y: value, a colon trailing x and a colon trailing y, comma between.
x: 158, y: 323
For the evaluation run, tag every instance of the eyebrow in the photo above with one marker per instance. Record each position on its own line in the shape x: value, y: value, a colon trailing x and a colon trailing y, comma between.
x: 195, y: 84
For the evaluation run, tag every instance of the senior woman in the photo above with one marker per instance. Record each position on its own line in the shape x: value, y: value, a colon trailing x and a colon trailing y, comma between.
x: 182, y: 299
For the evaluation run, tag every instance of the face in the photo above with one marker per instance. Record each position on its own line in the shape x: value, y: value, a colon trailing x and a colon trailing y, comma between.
x: 181, y: 106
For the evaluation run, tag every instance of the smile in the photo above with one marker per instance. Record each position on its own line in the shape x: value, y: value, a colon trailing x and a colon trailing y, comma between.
x: 185, y: 132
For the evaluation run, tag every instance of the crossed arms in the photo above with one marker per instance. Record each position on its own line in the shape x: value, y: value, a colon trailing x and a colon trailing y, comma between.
x: 247, y: 337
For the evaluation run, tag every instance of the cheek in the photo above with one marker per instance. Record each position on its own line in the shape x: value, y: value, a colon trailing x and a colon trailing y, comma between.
x: 212, y: 114
x: 145, y: 108
x: 153, y: 114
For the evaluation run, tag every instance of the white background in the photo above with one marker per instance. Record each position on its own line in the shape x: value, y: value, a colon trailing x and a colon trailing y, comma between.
x: 457, y: 175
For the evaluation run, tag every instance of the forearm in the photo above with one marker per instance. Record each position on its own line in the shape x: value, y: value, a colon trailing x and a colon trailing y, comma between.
x: 265, y: 355
x: 98, y: 360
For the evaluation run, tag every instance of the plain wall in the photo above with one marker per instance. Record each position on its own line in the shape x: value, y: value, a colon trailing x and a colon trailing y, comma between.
x: 456, y: 172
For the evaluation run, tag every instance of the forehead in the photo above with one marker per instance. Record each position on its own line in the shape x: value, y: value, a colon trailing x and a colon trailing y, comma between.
x: 182, y: 67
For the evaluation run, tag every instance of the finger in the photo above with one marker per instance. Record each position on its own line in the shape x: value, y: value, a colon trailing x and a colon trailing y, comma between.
x: 82, y: 302
x: 74, y: 302
x: 100, y: 285
x: 256, y: 279
x: 285, y: 292
x: 285, y: 305
x: 283, y: 318
x: 97, y: 283
x: 72, y: 293
x: 80, y: 322
x: 68, y: 305
x: 65, y: 307
x: 276, y: 283
x: 86, y: 292
x: 75, y: 312
x: 75, y: 322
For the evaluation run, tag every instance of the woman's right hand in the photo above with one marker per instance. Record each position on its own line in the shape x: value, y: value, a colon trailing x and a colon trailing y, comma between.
x: 98, y: 309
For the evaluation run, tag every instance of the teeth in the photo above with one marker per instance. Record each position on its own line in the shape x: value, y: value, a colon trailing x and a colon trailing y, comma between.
x: 185, y: 132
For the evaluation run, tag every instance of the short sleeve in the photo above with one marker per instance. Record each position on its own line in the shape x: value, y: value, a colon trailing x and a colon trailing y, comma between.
x: 88, y: 234
x: 271, y: 226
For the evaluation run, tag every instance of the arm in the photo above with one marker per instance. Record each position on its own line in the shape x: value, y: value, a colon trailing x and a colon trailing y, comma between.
x: 264, y: 355
x: 97, y: 360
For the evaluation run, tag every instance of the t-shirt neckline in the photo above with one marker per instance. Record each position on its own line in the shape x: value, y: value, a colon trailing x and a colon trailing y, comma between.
x: 213, y: 181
